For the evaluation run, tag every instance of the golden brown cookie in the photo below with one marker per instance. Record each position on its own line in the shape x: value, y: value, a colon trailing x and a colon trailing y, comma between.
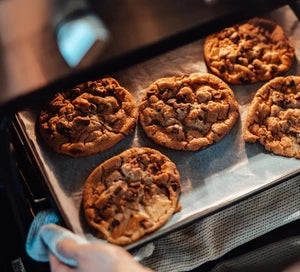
x: 249, y: 52
x: 274, y: 117
x: 89, y: 118
x: 188, y: 112
x: 131, y: 194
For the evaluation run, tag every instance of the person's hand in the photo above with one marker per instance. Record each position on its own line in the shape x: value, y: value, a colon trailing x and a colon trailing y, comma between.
x: 293, y: 268
x: 98, y: 257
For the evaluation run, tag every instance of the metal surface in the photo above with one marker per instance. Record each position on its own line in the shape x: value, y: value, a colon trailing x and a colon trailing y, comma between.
x: 220, y: 175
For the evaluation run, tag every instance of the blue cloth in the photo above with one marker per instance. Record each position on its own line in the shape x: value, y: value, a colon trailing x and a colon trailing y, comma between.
x: 44, y: 235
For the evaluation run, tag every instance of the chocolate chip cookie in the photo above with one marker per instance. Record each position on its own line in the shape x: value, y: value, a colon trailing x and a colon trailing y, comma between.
x: 131, y: 194
x: 274, y: 117
x: 88, y: 118
x: 188, y: 112
x: 246, y: 53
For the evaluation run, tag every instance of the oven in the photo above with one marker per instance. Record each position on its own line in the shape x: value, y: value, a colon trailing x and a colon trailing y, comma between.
x: 34, y: 62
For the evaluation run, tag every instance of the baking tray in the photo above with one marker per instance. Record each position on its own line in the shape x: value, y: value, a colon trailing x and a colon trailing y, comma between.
x: 213, y: 178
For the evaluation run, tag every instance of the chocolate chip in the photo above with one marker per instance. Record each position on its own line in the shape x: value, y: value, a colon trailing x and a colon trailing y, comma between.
x: 104, y: 83
x: 153, y: 169
x: 115, y: 223
x: 151, y: 92
x: 235, y: 37
x: 93, y: 107
x: 244, y: 80
x: 181, y: 98
x: 118, y: 190
x: 155, y: 122
x: 63, y: 129
x: 174, y: 186
x: 92, y: 85
x: 292, y: 83
x: 174, y: 130
x: 147, y: 190
x: 82, y: 121
x: 130, y: 195
x: 110, y: 91
x: 274, y: 69
x: 135, y: 184
x: 98, y: 219
x: 247, y: 37
x: 76, y: 151
x: 222, y: 68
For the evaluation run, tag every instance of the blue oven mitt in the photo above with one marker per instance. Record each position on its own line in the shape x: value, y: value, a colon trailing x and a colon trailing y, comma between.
x: 44, y: 235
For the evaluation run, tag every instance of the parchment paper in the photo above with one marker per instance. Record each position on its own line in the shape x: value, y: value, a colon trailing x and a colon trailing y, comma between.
x: 225, y: 172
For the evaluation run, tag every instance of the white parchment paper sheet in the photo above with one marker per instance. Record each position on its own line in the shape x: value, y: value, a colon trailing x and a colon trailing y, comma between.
x: 211, y: 178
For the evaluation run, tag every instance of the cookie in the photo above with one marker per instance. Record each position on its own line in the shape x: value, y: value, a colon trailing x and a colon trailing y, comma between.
x: 246, y: 53
x: 274, y: 117
x: 131, y: 194
x: 188, y: 112
x: 88, y: 118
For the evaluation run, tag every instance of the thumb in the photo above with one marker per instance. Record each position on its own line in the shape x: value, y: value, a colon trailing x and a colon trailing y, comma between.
x: 68, y: 248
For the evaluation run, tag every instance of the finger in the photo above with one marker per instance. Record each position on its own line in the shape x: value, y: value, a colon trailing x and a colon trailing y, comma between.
x: 68, y: 248
x: 57, y: 266
x: 54, y: 262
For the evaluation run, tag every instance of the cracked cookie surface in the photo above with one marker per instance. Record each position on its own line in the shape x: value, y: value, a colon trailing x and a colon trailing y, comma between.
x: 274, y: 117
x: 88, y: 118
x: 249, y: 52
x: 131, y: 194
x: 188, y: 112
